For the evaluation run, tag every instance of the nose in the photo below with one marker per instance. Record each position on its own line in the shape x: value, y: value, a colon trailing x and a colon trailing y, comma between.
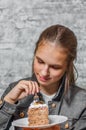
x: 45, y: 70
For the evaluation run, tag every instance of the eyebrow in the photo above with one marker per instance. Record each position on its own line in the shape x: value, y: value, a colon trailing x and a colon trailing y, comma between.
x: 57, y: 65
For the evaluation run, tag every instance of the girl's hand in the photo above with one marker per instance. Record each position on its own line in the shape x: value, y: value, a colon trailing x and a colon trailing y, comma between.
x: 21, y: 90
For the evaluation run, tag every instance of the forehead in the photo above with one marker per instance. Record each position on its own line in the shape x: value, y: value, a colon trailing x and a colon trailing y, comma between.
x: 51, y: 52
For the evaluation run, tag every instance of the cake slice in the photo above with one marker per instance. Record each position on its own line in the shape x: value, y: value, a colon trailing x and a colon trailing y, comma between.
x: 38, y: 113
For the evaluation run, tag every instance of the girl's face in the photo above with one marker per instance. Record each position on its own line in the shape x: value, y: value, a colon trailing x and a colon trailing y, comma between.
x: 50, y: 64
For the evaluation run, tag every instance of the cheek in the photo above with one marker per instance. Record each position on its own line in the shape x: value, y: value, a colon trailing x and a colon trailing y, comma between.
x: 61, y: 72
x: 58, y: 74
x: 35, y: 66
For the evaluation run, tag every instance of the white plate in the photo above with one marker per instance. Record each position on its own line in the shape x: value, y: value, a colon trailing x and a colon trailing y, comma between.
x: 54, y: 120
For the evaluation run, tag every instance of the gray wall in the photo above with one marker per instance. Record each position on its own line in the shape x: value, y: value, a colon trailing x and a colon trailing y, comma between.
x: 21, y: 22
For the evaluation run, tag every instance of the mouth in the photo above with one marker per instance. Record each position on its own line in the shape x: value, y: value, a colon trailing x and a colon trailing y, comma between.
x: 43, y: 79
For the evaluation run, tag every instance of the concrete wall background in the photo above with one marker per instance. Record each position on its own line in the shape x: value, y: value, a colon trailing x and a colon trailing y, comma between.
x: 21, y: 22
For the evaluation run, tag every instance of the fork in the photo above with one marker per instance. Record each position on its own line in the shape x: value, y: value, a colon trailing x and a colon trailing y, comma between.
x: 36, y: 97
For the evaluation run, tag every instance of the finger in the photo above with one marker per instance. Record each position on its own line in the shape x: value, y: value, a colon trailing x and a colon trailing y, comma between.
x: 25, y: 88
x: 32, y: 86
x: 33, y: 89
x: 37, y: 87
x: 26, y: 82
x: 27, y: 85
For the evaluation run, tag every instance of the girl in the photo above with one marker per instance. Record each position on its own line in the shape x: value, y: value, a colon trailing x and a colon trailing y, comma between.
x: 53, y: 79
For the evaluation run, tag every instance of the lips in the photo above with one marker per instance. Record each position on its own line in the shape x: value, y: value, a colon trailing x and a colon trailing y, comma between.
x: 43, y: 79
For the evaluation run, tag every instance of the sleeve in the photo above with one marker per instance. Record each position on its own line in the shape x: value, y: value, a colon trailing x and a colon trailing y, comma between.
x: 79, y: 120
x: 6, y: 110
x: 81, y: 123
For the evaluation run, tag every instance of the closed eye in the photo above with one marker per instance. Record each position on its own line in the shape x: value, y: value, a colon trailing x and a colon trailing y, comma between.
x: 39, y: 60
x: 55, y: 67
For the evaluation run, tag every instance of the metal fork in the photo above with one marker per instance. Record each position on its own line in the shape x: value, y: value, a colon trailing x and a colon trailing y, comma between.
x: 36, y: 97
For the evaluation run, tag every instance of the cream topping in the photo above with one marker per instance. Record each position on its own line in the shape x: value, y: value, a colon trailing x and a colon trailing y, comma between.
x: 36, y: 104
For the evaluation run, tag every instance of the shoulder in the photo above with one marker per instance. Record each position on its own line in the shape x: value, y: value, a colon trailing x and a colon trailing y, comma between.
x: 76, y: 95
x: 79, y: 97
x: 77, y: 91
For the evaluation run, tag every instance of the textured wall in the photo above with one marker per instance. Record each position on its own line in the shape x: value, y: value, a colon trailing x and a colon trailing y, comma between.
x: 21, y: 22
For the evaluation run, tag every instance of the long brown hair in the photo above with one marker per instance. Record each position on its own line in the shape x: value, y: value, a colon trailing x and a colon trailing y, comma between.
x: 58, y: 34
